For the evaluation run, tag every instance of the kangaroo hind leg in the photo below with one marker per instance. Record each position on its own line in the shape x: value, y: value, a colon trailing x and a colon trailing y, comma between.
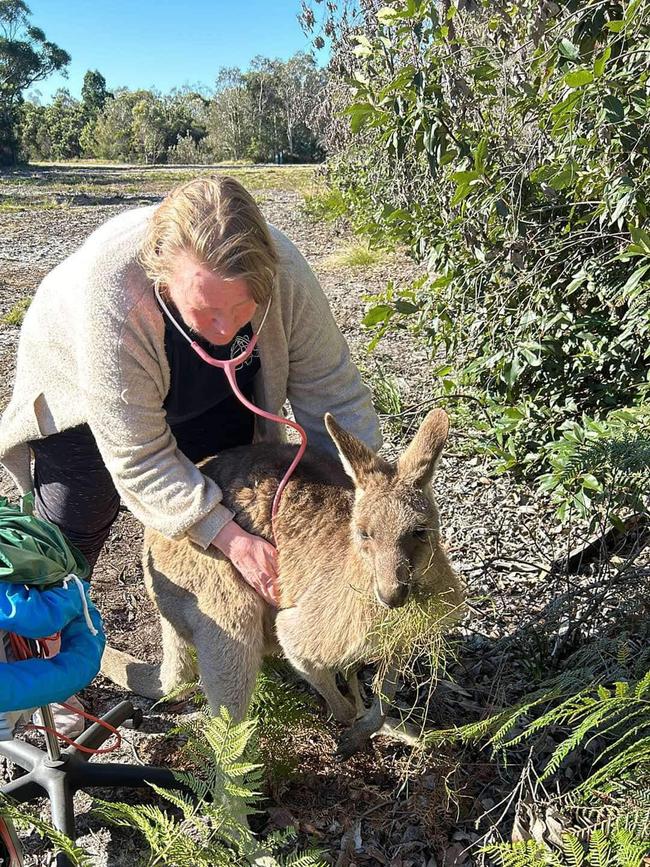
x: 228, y: 669
x: 178, y: 671
x: 324, y: 682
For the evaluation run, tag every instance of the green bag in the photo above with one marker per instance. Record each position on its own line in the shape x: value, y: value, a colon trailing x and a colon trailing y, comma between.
x: 35, y: 552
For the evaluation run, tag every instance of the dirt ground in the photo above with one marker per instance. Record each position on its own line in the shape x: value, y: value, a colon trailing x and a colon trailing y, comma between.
x: 374, y: 809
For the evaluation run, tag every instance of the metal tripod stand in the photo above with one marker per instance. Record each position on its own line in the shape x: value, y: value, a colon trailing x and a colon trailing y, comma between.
x: 60, y: 773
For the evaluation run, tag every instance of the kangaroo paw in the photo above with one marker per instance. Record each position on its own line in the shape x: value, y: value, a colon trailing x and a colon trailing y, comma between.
x: 358, y: 735
x: 401, y: 731
x: 372, y: 724
x: 348, y: 744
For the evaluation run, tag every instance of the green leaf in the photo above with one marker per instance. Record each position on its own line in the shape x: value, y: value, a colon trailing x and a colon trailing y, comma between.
x: 377, y: 314
x: 480, y: 154
x: 462, y: 192
x: 563, y: 178
x: 601, y: 61
x: 641, y: 238
x: 590, y: 482
x: 431, y: 137
x: 577, y: 281
x: 359, y: 113
x: 485, y: 72
x: 465, y: 177
x: 531, y: 357
x: 621, y: 206
x: 634, y: 280
x: 448, y: 385
x: 402, y: 80
x: 379, y: 333
x: 578, y: 78
x: 405, y: 307
x: 631, y: 10
x: 615, y: 26
x: 568, y: 49
x: 511, y: 370
x: 389, y: 16
x: 443, y: 370
x: 614, y: 109
x: 465, y: 181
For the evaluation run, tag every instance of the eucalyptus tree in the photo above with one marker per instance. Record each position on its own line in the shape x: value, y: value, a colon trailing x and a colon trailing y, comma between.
x: 230, y: 124
x: 26, y: 56
x: 93, y: 92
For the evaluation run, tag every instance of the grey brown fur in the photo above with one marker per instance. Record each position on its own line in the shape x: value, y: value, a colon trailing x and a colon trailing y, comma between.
x: 348, y: 545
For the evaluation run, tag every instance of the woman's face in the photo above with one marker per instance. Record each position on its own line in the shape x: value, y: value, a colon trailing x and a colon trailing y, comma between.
x: 210, y: 305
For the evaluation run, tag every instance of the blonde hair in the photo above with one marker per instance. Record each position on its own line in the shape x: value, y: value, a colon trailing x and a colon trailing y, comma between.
x: 217, y: 222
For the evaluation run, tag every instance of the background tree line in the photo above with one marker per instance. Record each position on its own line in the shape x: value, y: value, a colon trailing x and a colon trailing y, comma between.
x: 267, y: 113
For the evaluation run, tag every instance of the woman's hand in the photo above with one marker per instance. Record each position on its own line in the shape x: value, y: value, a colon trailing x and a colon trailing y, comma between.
x: 254, y: 557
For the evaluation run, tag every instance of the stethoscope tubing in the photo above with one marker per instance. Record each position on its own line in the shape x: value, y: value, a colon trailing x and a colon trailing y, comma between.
x: 229, y: 366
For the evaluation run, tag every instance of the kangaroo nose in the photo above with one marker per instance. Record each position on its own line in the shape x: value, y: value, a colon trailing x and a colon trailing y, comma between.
x: 395, y: 598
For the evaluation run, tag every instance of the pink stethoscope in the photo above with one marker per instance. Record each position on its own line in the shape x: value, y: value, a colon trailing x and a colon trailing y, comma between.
x: 229, y: 367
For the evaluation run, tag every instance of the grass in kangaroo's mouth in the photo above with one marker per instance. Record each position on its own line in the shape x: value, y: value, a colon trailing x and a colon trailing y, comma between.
x: 412, y: 635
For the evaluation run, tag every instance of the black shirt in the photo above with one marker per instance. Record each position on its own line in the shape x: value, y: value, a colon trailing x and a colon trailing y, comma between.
x: 202, y: 411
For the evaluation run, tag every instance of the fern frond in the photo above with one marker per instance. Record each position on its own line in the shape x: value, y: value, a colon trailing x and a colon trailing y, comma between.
x: 309, y: 858
x: 621, y: 767
x: 619, y: 714
x: 643, y: 686
x: 526, y: 853
x: 25, y: 819
x: 625, y: 454
x: 599, y: 850
x: 211, y: 828
x: 630, y: 850
x: 573, y: 849
x: 619, y: 849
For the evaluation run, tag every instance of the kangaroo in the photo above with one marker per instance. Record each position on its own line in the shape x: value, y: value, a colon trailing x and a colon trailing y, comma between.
x: 352, y: 538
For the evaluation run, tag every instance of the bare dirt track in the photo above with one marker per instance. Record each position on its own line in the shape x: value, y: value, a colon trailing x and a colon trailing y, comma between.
x: 502, y: 538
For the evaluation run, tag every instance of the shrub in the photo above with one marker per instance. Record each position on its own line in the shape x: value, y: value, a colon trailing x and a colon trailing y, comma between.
x: 507, y: 147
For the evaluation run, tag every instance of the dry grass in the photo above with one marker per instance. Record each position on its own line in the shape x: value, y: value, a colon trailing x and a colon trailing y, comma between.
x: 17, y: 312
x: 32, y: 203
x: 65, y: 184
x: 412, y: 636
x: 355, y: 254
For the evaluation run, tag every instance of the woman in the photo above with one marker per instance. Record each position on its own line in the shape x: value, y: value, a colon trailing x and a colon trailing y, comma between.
x: 112, y: 402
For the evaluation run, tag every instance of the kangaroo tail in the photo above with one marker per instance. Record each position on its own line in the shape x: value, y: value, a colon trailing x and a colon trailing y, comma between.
x: 142, y: 678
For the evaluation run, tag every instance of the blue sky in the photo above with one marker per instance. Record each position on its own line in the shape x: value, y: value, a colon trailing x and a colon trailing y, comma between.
x: 164, y: 43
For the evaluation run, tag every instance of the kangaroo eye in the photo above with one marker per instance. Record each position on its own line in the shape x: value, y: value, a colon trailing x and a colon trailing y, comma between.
x: 364, y: 534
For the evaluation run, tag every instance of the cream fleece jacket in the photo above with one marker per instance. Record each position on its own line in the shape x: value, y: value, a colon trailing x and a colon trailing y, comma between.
x: 92, y: 350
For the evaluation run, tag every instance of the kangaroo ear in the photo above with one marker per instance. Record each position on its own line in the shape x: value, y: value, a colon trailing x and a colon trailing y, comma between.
x: 417, y: 464
x: 359, y: 461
